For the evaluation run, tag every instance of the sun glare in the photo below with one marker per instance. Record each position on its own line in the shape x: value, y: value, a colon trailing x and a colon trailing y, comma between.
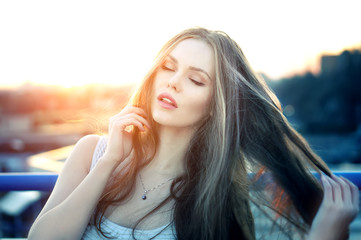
x: 117, y: 45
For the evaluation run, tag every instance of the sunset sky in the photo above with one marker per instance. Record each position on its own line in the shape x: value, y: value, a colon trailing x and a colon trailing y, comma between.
x: 71, y: 43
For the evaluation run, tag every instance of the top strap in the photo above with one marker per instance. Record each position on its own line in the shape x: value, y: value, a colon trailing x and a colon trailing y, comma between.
x: 99, y: 151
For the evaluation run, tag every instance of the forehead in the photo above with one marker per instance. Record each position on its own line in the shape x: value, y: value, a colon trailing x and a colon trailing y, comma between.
x: 195, y: 53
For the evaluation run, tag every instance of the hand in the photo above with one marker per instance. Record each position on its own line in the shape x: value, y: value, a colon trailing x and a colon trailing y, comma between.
x: 338, y: 209
x: 119, y: 143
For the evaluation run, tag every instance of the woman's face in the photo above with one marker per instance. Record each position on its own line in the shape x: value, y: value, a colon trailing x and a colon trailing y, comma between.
x: 183, y: 85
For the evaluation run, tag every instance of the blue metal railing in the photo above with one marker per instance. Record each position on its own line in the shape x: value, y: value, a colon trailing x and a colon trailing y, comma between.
x: 46, y: 181
x: 27, y: 181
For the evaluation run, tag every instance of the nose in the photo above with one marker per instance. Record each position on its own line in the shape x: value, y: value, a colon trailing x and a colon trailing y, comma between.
x: 174, y: 82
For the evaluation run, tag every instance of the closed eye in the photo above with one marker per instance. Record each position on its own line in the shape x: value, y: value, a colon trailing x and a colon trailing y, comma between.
x: 196, y: 82
x: 166, y: 68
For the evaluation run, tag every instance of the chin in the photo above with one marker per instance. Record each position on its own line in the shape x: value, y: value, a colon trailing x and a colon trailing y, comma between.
x: 160, y: 118
x: 168, y: 123
x: 174, y: 123
x: 172, y: 119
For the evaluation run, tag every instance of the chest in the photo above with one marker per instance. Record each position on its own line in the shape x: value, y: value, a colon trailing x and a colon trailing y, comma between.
x: 134, y: 208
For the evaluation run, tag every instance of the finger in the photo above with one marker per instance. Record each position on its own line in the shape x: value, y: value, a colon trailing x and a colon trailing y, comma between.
x: 346, y: 191
x: 132, y: 109
x: 122, y: 124
x: 139, y: 125
x: 141, y: 119
x: 327, y: 189
x: 344, y: 187
x: 354, y: 191
x: 337, y: 192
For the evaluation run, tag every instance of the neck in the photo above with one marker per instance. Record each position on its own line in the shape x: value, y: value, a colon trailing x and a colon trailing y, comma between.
x: 170, y: 154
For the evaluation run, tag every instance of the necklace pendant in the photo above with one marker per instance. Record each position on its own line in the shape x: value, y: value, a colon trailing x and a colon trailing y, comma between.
x: 144, y: 196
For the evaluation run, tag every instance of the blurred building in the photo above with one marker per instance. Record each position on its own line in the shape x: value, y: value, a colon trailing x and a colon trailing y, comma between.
x: 328, y: 64
x: 16, y: 123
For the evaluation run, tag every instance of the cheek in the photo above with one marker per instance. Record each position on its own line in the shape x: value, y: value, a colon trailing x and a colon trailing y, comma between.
x: 161, y: 78
x: 199, y: 104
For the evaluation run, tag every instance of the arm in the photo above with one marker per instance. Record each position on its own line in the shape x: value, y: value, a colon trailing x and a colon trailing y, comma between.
x: 75, y: 194
x: 77, y: 191
x: 338, y: 209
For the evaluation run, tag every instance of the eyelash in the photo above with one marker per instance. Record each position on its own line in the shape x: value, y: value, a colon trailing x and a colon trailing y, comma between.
x: 196, y: 82
x: 164, y: 67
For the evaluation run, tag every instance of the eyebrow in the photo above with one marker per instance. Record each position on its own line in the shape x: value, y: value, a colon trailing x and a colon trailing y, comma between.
x: 192, y: 68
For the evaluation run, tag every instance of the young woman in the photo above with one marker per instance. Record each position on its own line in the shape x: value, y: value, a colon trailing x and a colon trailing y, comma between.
x: 202, y: 144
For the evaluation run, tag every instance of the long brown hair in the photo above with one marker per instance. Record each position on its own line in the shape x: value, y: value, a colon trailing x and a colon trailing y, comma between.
x: 246, y: 153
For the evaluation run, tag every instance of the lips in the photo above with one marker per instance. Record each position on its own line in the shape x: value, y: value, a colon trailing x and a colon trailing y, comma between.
x: 167, y: 101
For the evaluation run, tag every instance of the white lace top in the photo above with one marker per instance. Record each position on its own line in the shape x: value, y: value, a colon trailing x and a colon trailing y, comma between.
x: 116, y: 231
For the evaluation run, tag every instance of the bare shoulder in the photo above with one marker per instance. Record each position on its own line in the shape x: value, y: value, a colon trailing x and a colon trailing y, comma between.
x: 83, y: 152
x: 88, y: 141
x: 77, y: 164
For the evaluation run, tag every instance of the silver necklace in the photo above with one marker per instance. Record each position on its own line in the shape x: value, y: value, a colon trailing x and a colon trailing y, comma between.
x: 144, y: 196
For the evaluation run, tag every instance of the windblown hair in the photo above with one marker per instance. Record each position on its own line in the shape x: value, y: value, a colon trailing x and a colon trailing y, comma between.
x: 245, y: 153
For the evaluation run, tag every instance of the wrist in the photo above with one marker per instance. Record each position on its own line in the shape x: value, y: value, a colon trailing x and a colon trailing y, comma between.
x: 318, y: 234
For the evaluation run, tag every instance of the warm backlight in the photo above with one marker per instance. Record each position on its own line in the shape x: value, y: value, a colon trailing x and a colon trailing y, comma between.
x: 72, y: 43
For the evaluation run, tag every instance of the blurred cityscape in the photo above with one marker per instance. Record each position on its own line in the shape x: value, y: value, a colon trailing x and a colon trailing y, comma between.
x: 326, y: 108
x: 38, y: 127
x: 43, y: 122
